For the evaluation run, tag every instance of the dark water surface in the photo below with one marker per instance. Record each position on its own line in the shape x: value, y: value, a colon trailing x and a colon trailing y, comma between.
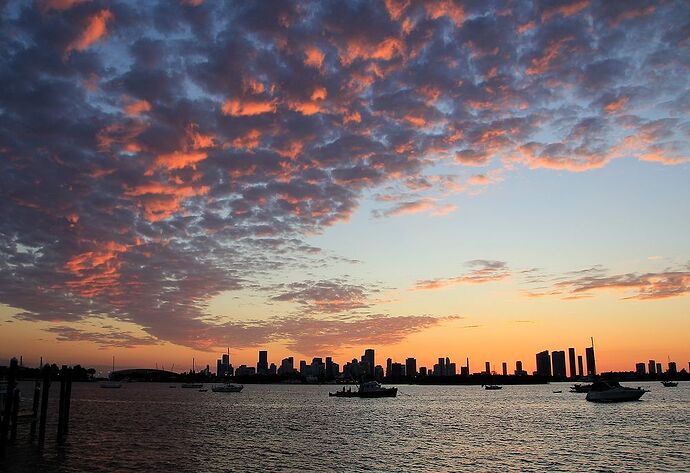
x: 150, y: 427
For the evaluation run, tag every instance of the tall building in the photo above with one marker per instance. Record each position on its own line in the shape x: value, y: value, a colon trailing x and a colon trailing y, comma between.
x: 639, y: 369
x: 370, y: 360
x: 659, y: 369
x: 580, y: 371
x: 389, y: 362
x: 652, y: 367
x: 450, y: 369
x: 518, y: 368
x: 672, y: 368
x: 329, y: 368
x: 544, y: 364
x: 441, y: 367
x: 558, y: 360
x: 223, y: 366
x: 447, y: 372
x: 487, y: 367
x: 262, y: 365
x: 571, y: 360
x: 591, y: 363
x: 505, y: 369
x: 422, y: 371
x: 287, y: 366
x: 464, y: 371
x: 411, y: 367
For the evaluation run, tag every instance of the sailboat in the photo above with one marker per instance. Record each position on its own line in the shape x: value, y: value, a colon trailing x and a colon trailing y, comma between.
x: 111, y: 384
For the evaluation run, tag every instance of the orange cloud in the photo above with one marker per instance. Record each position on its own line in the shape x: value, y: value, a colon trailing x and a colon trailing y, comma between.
x: 543, y: 63
x: 136, y: 107
x: 447, y: 8
x: 564, y: 10
x: 96, y: 271
x: 314, y: 57
x: 95, y: 30
x: 617, y: 104
x: 160, y: 201
x: 396, y: 8
x: 236, y: 107
x: 487, y: 271
x: 47, y: 5
x: 250, y: 140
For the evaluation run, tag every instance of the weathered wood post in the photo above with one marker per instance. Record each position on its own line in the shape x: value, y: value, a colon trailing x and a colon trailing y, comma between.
x: 61, y: 405
x: 68, y: 398
x: 15, y: 415
x: 9, y: 398
x: 45, y: 390
x: 34, y: 410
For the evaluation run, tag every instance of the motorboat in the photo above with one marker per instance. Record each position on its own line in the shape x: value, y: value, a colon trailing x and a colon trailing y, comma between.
x: 492, y: 387
x: 193, y: 385
x: 580, y: 388
x: 227, y: 388
x: 558, y: 392
x: 670, y: 384
x: 369, y: 389
x: 111, y: 385
x: 611, y: 391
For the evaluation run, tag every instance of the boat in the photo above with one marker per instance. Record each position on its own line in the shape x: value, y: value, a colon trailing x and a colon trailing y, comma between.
x: 369, y: 389
x: 193, y: 385
x: 580, y: 388
x: 227, y: 388
x: 492, y: 387
x: 558, y: 392
x: 670, y: 384
x: 611, y: 391
x: 203, y: 390
x: 111, y: 384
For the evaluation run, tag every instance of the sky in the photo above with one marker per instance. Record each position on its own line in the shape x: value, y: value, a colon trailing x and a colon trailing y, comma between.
x: 482, y: 179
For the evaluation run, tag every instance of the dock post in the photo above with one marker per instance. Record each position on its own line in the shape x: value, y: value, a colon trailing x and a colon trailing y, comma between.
x: 45, y: 390
x: 61, y: 405
x: 9, y: 398
x: 34, y: 410
x: 68, y: 398
x: 15, y: 415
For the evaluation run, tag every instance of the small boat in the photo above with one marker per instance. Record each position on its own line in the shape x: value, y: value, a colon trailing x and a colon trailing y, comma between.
x: 580, y: 388
x: 227, y: 388
x: 111, y: 385
x: 611, y: 391
x: 492, y: 387
x: 558, y: 392
x: 370, y: 389
x: 670, y: 384
x: 203, y: 390
x: 193, y: 385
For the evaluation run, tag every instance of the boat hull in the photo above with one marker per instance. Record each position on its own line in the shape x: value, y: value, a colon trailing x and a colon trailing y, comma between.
x: 390, y: 392
x: 225, y: 389
x: 615, y: 395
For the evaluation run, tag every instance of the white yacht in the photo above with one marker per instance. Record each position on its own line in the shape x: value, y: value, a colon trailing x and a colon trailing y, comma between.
x: 227, y: 388
x: 611, y: 391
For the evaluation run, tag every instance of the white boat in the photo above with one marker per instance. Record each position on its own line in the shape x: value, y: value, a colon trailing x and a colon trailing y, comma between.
x: 369, y: 389
x: 611, y: 391
x: 227, y: 388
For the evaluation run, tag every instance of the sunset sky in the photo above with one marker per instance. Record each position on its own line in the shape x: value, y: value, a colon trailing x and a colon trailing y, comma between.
x: 482, y: 178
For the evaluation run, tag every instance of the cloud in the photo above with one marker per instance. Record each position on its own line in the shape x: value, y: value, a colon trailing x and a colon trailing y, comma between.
x: 485, y: 271
x: 327, y: 296
x: 196, y: 147
x: 105, y: 339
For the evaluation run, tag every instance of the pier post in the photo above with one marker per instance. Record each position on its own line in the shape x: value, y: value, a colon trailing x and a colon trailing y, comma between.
x: 45, y: 390
x: 61, y: 405
x: 9, y: 398
x: 34, y: 410
x: 68, y: 398
x: 15, y: 415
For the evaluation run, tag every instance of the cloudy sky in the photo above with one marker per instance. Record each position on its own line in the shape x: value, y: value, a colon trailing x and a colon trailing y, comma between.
x: 479, y: 178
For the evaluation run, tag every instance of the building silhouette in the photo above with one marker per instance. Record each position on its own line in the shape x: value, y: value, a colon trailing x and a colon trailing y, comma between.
x: 659, y: 369
x: 411, y: 367
x: 580, y: 370
x: 368, y: 360
x: 558, y: 360
x: 505, y: 369
x: 544, y: 364
x: 487, y: 367
x: 591, y: 363
x: 652, y: 367
x: 518, y: 369
x: 639, y: 369
x: 672, y: 368
x: 571, y: 362
x: 262, y: 364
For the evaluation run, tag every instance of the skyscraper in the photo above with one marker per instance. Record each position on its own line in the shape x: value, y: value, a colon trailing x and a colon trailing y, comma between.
x: 544, y: 364
x: 518, y: 368
x: 487, y: 367
x: 329, y: 368
x: 389, y: 362
x: 672, y: 369
x: 262, y: 365
x: 370, y: 360
x: 659, y: 370
x: 441, y: 367
x: 580, y: 371
x: 652, y: 367
x: 558, y: 360
x: 571, y: 359
x: 411, y: 367
x: 639, y: 369
x: 505, y: 369
x: 591, y: 363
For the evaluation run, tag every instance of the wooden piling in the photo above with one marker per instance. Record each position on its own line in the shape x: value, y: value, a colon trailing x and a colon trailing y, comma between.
x: 34, y: 410
x: 61, y: 405
x: 15, y: 415
x: 68, y: 398
x: 9, y: 398
x: 45, y: 390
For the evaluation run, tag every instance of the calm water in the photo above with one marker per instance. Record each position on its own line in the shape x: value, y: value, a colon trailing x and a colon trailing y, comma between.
x: 150, y: 427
